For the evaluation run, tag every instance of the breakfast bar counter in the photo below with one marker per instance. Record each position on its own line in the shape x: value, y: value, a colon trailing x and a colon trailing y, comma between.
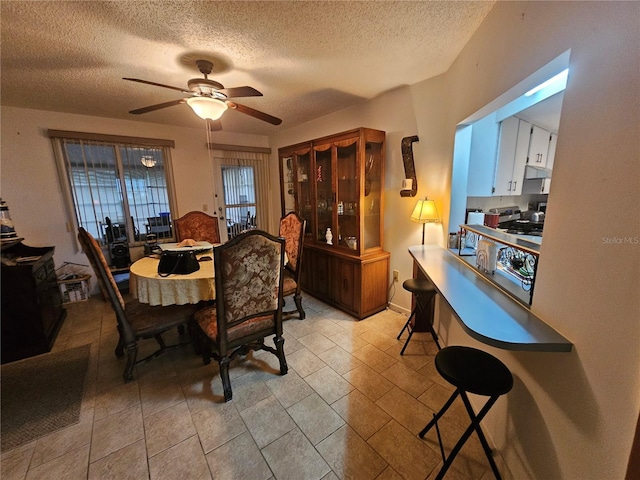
x: 486, y: 313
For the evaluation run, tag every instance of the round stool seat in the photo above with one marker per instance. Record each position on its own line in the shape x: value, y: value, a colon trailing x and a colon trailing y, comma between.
x: 474, y: 371
x: 419, y: 286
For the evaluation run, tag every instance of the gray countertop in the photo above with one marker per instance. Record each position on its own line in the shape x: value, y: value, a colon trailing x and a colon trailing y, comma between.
x: 486, y: 313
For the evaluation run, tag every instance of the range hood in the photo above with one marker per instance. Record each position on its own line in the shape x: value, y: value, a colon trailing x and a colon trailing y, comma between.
x: 536, y: 172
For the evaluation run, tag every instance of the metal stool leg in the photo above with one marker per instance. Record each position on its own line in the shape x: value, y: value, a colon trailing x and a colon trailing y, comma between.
x: 406, y: 325
x: 474, y: 426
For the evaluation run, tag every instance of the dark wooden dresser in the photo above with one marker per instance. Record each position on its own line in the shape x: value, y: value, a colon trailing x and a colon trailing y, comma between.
x: 32, y: 311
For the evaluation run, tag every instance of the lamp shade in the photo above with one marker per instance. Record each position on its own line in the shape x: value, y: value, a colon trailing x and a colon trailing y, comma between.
x: 425, y: 212
x: 206, y: 107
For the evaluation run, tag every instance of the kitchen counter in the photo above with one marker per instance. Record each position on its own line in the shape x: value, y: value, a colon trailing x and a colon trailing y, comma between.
x: 485, y: 312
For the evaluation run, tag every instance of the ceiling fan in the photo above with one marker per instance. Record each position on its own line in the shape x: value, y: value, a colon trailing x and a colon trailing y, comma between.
x: 209, y: 99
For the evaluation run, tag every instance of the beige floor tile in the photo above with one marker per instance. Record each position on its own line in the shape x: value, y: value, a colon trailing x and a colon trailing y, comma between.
x: 406, y: 410
x: 412, y: 382
x: 167, y: 428
x: 217, y: 425
x: 364, y: 416
x: 348, y: 341
x: 267, y: 421
x: 117, y: 399
x: 184, y: 460
x: 315, y: 418
x: 404, y: 451
x: 128, y: 462
x: 289, y: 389
x: 316, y: 342
x: 328, y: 384
x: 157, y: 396
x: 390, y: 474
x: 326, y: 326
x: 203, y: 393
x: 269, y: 430
x: 72, y: 465
x: 382, y: 340
x: 339, y: 360
x: 116, y: 431
x: 296, y: 329
x: 239, y: 458
x: 349, y: 456
x: 368, y: 381
x: 63, y: 441
x: 375, y: 358
x: 292, y: 457
x: 15, y: 466
x: 248, y: 390
x: 304, y: 362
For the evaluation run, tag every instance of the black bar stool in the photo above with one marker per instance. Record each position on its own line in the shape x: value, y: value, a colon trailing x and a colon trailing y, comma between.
x: 424, y: 292
x: 474, y: 371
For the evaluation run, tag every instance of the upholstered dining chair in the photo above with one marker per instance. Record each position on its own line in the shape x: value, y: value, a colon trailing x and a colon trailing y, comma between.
x: 199, y: 226
x: 136, y: 320
x: 292, y: 228
x: 248, y: 272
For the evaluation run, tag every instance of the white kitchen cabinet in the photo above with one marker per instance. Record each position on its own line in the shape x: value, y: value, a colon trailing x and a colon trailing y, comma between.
x: 513, y: 148
x: 539, y: 147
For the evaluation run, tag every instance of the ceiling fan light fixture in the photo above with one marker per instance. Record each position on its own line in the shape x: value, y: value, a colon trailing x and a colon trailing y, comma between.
x: 206, y: 107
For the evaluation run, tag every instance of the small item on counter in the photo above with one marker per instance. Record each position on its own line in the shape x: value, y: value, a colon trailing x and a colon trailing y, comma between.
x: 461, y: 240
x: 453, y: 240
x: 329, y: 237
x: 487, y: 256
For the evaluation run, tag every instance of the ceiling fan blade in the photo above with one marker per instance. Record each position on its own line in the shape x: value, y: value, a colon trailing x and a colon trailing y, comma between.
x: 240, y: 92
x: 255, y: 113
x: 157, y: 84
x: 151, y: 108
x: 214, y: 125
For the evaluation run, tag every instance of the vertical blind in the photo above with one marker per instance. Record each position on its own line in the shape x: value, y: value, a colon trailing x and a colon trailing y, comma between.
x: 118, y: 190
x: 245, y: 175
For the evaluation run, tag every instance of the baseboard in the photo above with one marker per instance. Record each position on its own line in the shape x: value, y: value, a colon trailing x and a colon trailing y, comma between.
x: 397, y: 308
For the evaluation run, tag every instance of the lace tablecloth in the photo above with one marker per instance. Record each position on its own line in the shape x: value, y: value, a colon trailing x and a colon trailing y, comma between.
x: 148, y: 287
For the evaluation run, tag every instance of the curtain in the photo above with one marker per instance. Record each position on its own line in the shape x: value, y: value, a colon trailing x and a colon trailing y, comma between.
x: 260, y: 164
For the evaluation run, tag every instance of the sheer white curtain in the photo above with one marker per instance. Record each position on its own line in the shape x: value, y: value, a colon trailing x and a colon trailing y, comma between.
x: 260, y: 164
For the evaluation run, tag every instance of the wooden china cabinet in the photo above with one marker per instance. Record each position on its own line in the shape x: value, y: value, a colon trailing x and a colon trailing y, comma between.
x: 336, y: 184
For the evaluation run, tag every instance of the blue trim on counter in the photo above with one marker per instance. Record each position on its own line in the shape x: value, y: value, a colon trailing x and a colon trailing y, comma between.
x: 485, y: 312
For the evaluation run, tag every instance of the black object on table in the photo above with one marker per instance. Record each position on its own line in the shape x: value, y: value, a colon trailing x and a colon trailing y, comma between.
x: 474, y: 371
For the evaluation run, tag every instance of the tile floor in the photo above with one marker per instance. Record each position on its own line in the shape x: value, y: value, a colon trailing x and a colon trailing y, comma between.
x: 350, y: 407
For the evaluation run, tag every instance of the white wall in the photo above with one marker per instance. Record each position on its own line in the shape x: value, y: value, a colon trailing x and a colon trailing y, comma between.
x: 29, y: 179
x: 570, y: 415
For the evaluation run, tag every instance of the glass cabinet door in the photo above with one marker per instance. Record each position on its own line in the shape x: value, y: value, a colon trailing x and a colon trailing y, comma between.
x: 287, y: 179
x: 347, y: 198
x: 304, y: 177
x: 324, y: 196
x: 372, y: 225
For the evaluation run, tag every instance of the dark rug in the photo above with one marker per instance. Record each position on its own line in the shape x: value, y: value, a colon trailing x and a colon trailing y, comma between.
x: 41, y: 395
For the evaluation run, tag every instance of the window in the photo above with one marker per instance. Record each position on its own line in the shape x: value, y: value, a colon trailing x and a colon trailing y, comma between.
x: 244, y: 179
x: 118, y: 187
x: 239, y: 198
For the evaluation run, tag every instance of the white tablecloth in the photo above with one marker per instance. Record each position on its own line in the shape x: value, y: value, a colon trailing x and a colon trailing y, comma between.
x: 148, y: 287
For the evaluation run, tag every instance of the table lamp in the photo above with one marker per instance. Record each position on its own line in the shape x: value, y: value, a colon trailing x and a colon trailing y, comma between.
x: 425, y: 212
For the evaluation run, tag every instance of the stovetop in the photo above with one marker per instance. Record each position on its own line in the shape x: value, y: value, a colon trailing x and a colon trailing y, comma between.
x: 523, y: 227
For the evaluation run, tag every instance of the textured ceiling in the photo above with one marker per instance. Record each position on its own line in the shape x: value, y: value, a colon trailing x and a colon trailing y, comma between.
x: 307, y: 58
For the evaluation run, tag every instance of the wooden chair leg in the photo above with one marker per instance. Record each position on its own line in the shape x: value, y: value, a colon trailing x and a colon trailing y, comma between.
x: 284, y: 368
x: 132, y: 353
x: 298, y: 301
x: 224, y: 375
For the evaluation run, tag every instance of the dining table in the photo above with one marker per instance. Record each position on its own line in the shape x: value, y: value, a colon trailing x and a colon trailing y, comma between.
x: 148, y: 287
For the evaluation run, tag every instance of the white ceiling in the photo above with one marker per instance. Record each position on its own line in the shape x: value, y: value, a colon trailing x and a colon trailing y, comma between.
x: 307, y: 58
